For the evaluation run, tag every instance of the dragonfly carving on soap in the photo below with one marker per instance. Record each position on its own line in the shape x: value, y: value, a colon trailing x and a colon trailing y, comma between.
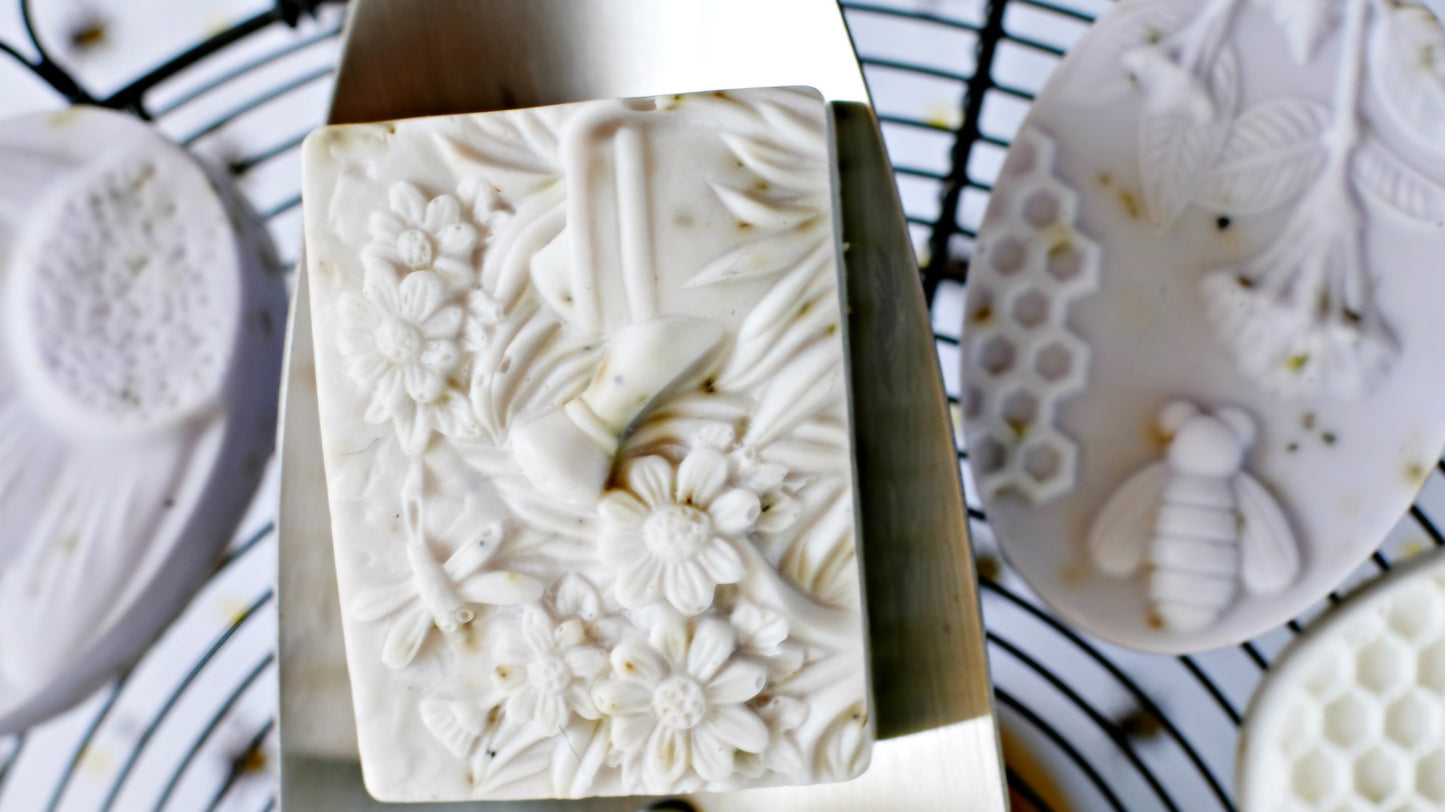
x: 1299, y: 316
x: 1196, y: 523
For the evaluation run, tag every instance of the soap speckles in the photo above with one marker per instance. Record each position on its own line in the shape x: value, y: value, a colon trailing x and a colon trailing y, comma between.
x: 1129, y: 202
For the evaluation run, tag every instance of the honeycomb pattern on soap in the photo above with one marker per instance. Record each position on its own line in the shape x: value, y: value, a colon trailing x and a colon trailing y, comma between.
x: 1362, y: 726
x: 1023, y: 359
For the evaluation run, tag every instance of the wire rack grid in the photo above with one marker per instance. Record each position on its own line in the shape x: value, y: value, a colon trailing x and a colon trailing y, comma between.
x: 1086, y: 725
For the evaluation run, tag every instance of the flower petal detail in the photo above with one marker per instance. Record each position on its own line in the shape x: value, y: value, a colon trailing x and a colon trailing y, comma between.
x: 652, y: 479
x: 710, y: 756
x: 567, y: 635
x: 580, y: 703
x: 669, y: 636
x: 630, y: 732
x: 722, y: 562
x: 737, y: 682
x: 457, y: 274
x: 407, y: 201
x: 443, y: 210
x: 576, y: 596
x: 736, y: 511
x: 419, y: 296
x: 713, y: 642
x: 423, y: 384
x: 457, y: 239
x: 687, y: 587
x: 445, y: 323
x: 780, y: 511
x: 551, y: 712
x: 637, y: 662
x: 622, y: 509
x: 638, y: 584
x: 701, y: 477
x: 536, y: 630
x: 616, y: 697
x: 439, y: 357
x: 738, y: 726
x: 585, y: 661
x: 666, y: 757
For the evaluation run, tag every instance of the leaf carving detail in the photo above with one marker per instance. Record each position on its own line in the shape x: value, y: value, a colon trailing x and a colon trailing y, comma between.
x: 1272, y: 154
x: 1387, y: 180
x: 1175, y: 151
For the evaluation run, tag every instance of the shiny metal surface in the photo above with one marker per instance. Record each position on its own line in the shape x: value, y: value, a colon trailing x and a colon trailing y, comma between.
x: 929, y: 671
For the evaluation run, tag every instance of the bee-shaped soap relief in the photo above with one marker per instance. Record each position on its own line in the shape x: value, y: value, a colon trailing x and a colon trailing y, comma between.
x: 1196, y: 523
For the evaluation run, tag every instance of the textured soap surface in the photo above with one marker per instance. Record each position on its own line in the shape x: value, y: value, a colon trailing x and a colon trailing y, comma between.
x: 139, y: 359
x: 1352, y: 715
x: 586, y: 436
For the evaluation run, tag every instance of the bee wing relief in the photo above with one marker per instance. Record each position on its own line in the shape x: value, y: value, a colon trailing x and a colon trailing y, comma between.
x: 1269, y: 554
x: 1122, y: 530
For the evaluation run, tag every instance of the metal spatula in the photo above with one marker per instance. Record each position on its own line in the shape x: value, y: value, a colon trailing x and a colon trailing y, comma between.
x: 409, y: 58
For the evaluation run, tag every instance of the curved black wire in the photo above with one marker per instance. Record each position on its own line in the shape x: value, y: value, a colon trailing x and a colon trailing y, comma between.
x: 1008, y: 700
x: 1138, y: 693
x: 95, y: 722
x: 175, y: 696
x: 1019, y: 785
x: 237, y: 768
x: 211, y: 725
x: 10, y: 760
x: 1107, y: 727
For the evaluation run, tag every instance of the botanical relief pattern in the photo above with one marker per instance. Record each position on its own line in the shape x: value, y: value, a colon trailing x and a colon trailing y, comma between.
x: 1299, y: 317
x: 622, y: 554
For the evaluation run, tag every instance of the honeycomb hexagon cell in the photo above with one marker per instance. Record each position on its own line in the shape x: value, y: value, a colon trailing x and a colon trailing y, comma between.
x: 1030, y: 308
x: 1430, y: 778
x: 1384, y: 666
x: 1046, y: 460
x: 1062, y: 361
x: 1020, y: 409
x: 1415, y: 615
x: 1315, y: 778
x: 1045, y: 203
x: 1351, y: 722
x: 1380, y: 776
x: 997, y: 354
x: 1007, y: 255
x: 989, y: 455
x: 1413, y: 720
x: 981, y: 307
x: 1333, y: 673
x: 1431, y: 665
x: 1016, y: 332
x: 1072, y: 264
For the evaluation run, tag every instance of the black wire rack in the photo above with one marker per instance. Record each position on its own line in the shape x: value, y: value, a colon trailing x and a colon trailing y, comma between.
x: 1087, y: 725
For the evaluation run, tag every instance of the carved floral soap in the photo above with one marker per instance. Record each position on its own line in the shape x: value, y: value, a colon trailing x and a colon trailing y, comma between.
x: 585, y: 422
x: 1204, y: 359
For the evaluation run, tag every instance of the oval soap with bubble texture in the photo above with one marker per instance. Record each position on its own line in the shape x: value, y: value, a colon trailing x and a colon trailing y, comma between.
x: 140, y: 331
x: 1204, y: 369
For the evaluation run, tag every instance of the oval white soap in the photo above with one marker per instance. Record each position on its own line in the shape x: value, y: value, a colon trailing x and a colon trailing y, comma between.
x: 139, y: 361
x: 1353, y: 715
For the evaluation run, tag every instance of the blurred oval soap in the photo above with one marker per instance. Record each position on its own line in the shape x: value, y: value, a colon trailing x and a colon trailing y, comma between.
x: 1204, y: 365
x: 139, y: 360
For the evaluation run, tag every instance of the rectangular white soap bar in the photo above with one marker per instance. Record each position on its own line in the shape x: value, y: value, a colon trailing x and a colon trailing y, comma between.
x: 585, y: 420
